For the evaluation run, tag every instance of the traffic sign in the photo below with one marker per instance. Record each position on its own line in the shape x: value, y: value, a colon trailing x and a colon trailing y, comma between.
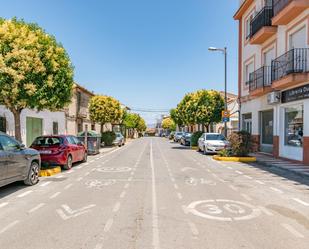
x: 226, y: 114
x: 225, y: 119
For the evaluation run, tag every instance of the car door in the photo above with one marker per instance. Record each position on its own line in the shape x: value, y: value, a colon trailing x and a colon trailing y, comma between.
x: 16, y: 159
x: 3, y: 165
x: 73, y: 148
x: 80, y: 149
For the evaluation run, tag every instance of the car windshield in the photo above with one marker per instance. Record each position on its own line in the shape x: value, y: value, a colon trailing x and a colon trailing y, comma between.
x: 219, y: 137
x: 118, y: 135
x: 179, y: 133
x: 47, y: 141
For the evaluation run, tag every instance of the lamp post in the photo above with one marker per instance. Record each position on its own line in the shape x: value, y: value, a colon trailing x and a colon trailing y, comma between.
x: 224, y: 51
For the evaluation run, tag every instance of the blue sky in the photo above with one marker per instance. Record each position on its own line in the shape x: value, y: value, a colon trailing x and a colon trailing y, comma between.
x: 146, y: 53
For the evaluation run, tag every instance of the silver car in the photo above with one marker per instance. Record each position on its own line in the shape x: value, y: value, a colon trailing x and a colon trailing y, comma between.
x: 18, y: 163
x: 119, y: 139
x: 212, y: 143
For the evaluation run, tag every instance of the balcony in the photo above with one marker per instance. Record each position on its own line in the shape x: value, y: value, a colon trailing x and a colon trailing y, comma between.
x: 260, y: 81
x: 287, y: 10
x: 261, y: 26
x: 290, y: 69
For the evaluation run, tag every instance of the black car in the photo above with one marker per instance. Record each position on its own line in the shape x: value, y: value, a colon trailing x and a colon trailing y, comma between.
x: 18, y: 163
x: 186, y: 139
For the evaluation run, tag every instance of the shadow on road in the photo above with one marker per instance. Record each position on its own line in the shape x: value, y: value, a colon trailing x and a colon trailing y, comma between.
x: 11, y: 189
x: 181, y: 148
x: 284, y: 174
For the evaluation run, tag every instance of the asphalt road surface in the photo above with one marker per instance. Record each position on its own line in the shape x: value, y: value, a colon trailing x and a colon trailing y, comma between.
x: 154, y: 194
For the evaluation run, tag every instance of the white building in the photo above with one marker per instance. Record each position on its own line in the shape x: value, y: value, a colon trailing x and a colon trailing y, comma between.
x: 33, y: 123
x: 273, y: 75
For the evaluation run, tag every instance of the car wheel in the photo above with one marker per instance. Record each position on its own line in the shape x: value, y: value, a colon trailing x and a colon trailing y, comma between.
x: 69, y: 163
x: 85, y: 157
x: 33, y: 175
x: 205, y: 151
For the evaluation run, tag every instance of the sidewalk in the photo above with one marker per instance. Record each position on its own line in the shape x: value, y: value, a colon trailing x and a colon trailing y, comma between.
x: 110, y: 148
x: 269, y: 161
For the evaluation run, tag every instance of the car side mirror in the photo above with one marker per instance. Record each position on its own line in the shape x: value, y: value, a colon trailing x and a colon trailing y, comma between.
x: 22, y: 146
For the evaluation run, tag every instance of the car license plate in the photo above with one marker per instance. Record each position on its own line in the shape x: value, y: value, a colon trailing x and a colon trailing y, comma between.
x: 45, y: 152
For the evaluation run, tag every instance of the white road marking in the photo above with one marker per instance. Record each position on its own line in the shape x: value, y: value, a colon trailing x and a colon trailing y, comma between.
x: 233, y: 187
x: 127, y: 185
x: 248, y: 198
x: 193, y: 228
x: 179, y: 195
x: 87, y: 173
x: 59, y: 176
x: 93, y: 169
x: 155, y: 222
x: 68, y: 186
x: 91, y: 161
x: 9, y: 226
x: 239, y: 172
x: 86, y: 164
x: 98, y: 246
x: 36, y: 207
x: 116, y: 207
x: 173, y: 179
x: 265, y: 210
x: 292, y: 230
x: 208, y: 170
x: 108, y: 225
x: 78, y: 167
x: 132, y: 173
x: 214, y: 175
x: 3, y: 204
x: 44, y: 184
x: 70, y: 171
x: 276, y: 190
x: 24, y: 194
x: 229, y: 167
x: 176, y: 186
x: 301, y: 202
x: 123, y: 194
x: 249, y: 177
x: 54, y: 195
x: 79, y: 179
x: 260, y: 182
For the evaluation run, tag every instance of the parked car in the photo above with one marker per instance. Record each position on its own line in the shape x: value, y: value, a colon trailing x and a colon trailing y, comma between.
x: 171, y: 135
x: 18, y: 163
x: 119, y: 141
x: 178, y: 136
x: 62, y: 150
x: 186, y: 139
x: 212, y: 143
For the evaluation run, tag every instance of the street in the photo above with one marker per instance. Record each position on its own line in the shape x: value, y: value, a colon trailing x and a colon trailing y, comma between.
x: 153, y: 193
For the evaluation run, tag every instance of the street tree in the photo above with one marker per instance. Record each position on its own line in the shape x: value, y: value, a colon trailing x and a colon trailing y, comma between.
x: 134, y: 122
x: 141, y: 126
x: 168, y: 124
x: 105, y: 109
x: 35, y: 70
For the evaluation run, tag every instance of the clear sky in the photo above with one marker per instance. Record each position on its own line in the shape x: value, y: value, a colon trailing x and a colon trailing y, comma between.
x: 146, y: 53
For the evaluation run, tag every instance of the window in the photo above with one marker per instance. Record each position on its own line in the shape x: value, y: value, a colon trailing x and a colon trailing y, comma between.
x: 55, y: 128
x: 79, y: 127
x: 8, y: 144
x: 294, y: 124
x: 247, y: 122
x: 93, y: 127
x: 298, y: 39
x: 215, y: 137
x: 71, y: 140
x: 3, y: 124
x: 47, y: 141
x: 248, y: 26
x: 249, y: 69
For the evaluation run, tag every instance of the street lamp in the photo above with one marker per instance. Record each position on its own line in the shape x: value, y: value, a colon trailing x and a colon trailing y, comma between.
x: 224, y: 51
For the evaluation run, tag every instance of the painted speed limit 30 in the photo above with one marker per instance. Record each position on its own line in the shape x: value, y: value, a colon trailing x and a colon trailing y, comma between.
x: 223, y: 210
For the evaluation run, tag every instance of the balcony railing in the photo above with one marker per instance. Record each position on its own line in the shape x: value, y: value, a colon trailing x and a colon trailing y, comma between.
x: 262, y: 19
x: 260, y: 78
x: 279, y: 5
x: 293, y: 61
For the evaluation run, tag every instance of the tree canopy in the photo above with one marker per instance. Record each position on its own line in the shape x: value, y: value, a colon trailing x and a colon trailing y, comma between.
x: 105, y: 109
x: 134, y: 121
x: 200, y: 107
x: 35, y: 70
x: 168, y: 124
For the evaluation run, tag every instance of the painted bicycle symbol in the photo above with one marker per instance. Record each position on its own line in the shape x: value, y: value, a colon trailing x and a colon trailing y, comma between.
x: 195, y: 181
x: 99, y: 184
x: 223, y: 210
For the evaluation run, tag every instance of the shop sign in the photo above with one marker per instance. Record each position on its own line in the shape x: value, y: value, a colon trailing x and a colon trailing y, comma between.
x: 294, y: 94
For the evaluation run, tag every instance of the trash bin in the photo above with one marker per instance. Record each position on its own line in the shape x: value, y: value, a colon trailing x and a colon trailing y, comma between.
x: 94, y: 141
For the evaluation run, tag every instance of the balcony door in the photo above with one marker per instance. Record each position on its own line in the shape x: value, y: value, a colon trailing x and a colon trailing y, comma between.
x: 269, y: 56
x: 298, y: 39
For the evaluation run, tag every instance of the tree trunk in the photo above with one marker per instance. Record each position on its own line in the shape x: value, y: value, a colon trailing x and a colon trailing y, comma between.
x: 102, y: 129
x: 16, y: 114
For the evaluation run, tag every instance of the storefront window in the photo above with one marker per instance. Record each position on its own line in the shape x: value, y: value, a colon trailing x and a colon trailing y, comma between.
x: 294, y: 125
x: 247, y: 122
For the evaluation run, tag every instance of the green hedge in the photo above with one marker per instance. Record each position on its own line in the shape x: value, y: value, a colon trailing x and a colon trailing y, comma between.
x: 108, y: 138
x: 195, y: 136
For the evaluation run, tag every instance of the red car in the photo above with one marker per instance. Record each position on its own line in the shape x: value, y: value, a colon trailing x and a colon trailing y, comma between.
x: 63, y: 150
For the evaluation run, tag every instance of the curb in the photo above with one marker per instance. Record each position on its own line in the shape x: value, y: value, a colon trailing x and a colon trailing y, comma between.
x: 50, y: 172
x: 235, y: 159
x: 193, y: 147
x: 298, y: 173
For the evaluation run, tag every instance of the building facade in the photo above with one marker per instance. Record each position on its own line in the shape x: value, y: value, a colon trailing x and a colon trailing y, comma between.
x: 274, y: 75
x: 77, y: 113
x: 33, y: 123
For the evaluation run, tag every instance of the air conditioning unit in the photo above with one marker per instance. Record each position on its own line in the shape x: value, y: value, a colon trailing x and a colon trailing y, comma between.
x: 273, y: 98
